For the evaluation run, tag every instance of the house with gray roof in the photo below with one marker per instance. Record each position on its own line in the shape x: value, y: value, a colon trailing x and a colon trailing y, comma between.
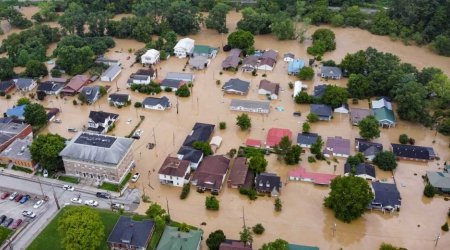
x: 18, y: 153
x: 156, y: 103
x: 91, y: 93
x: 106, y: 61
x: 306, y: 140
x: 288, y: 57
x: 439, y: 180
x: 192, y: 155
x: 413, y: 152
x: 119, y: 100
x: 50, y: 87
x: 387, y: 197
x: 111, y: 73
x: 262, y: 107
x: 131, y: 234
x: 98, y: 158
x: 319, y: 90
x: 198, y: 62
x: 328, y: 72
x: 363, y: 170
x: 172, y: 84
x: 236, y: 86
x: 100, y: 122
x: 368, y: 148
x: 232, y: 60
x: 25, y: 84
x: 337, y: 146
x: 250, y: 63
x: 7, y: 86
x: 324, y: 112
x: 357, y: 115
x: 181, y: 76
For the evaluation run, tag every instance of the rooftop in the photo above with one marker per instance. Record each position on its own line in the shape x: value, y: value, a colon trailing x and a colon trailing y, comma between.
x: 386, y: 194
x: 133, y: 233
x: 360, y: 169
x: 173, y: 239
x: 200, y: 132
x: 101, y: 117
x: 174, y: 167
x: 321, y: 110
x: 439, y: 179
x: 307, y: 138
x: 275, y: 135
x: 239, y: 170
x: 412, y: 151
x: 18, y: 150
x: 316, y: 178
x: 236, y: 85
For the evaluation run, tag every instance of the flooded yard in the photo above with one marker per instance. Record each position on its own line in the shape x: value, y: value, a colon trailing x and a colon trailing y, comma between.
x: 303, y: 220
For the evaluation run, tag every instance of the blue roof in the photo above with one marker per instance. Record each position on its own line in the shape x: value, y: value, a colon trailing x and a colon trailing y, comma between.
x: 295, y: 66
x: 386, y: 194
x: 17, y: 111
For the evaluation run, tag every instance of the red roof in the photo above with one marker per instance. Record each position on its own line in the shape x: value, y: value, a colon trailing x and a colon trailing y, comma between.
x: 316, y: 178
x: 253, y: 143
x: 275, y: 134
x: 76, y: 83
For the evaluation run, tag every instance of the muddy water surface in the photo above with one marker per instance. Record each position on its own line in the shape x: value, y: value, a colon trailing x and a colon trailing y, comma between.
x: 303, y: 219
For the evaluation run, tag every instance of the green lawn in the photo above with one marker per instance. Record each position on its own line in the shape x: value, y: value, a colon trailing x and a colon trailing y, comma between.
x: 114, y: 187
x: 69, y: 179
x: 49, y: 238
x: 2, y: 165
x: 4, y: 233
x: 26, y: 170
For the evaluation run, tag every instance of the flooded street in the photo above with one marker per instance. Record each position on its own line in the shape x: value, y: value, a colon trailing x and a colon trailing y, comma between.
x: 303, y: 219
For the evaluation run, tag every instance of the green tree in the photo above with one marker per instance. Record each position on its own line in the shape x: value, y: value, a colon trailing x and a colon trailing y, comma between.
x: 246, y: 236
x: 81, y: 228
x: 257, y: 164
x: 23, y: 101
x: 212, y: 203
x: 355, y: 63
x: 440, y: 84
x: 306, y: 127
x: 355, y: 160
x: 369, y: 128
x: 75, y: 60
x: 183, y: 18
x: 306, y: 73
x: 411, y: 105
x: 386, y: 246
x: 255, y: 21
x: 385, y: 160
x: 258, y: 229
x: 335, y: 96
x: 35, y: 115
x: 442, y: 45
x: 215, y: 239
x: 353, y: 16
x: 244, y: 121
x: 445, y: 227
x: 6, y: 69
x: 155, y: 210
x: 241, y: 39
x: 337, y: 20
x: 35, y: 68
x: 349, y: 197
x: 358, y: 86
x: 45, y: 150
x: 278, y: 244
x: 278, y: 205
x: 312, y: 118
x: 73, y: 19
x: 217, y: 18
x: 316, y: 148
x: 382, y: 24
x: 323, y: 41
x: 203, y: 146
x: 97, y: 22
x: 303, y: 98
x: 292, y: 156
x: 283, y: 27
x: 283, y: 146
x: 429, y: 191
x: 403, y: 139
x: 444, y: 127
x: 427, y: 74
x: 183, y: 91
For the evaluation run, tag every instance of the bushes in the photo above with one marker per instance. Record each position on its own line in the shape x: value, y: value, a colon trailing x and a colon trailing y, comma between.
x: 137, y: 104
x: 306, y: 73
x: 152, y: 88
x: 258, y: 229
x: 429, y: 191
x: 277, y: 205
x: 183, y: 91
x: 311, y: 159
x: 249, y: 192
x: 211, y: 203
x: 403, y: 139
x: 185, y: 191
x: 445, y: 227
x: 222, y: 125
x: 312, y: 118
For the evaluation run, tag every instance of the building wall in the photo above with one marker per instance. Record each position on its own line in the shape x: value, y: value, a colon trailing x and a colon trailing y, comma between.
x: 27, y: 132
x: 99, y: 172
x: 18, y: 162
x: 173, y: 180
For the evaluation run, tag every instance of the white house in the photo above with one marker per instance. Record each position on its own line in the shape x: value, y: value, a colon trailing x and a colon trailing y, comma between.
x: 269, y: 89
x: 25, y: 84
x: 298, y: 87
x: 288, y: 57
x: 111, y: 73
x: 343, y: 109
x: 154, y: 103
x: 215, y: 143
x: 184, y: 47
x: 150, y: 57
x: 266, y: 64
x: 174, y: 172
x: 99, y: 121
x: 193, y: 156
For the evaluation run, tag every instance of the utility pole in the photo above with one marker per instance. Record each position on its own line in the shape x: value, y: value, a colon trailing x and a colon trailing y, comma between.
x: 243, y: 216
x: 154, y: 136
x: 167, y: 205
x: 177, y: 105
x: 437, y: 239
x: 334, y: 229
x: 56, y: 198
x: 40, y: 185
x: 173, y: 139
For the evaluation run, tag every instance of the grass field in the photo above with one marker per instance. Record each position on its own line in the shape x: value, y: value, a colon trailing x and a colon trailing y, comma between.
x: 4, y: 233
x: 69, y: 179
x: 114, y: 187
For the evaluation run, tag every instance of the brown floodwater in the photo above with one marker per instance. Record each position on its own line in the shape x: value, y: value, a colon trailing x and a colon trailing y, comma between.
x: 303, y: 220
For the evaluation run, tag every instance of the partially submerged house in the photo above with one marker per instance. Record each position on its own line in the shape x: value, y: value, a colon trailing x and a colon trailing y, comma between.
x: 50, y: 87
x: 7, y: 86
x: 324, y: 112
x: 100, y: 122
x: 275, y: 135
x: 266, y: 64
x: 233, y: 59
x: 215, y: 143
x: 184, y: 48
x: 300, y: 174
x: 269, y: 89
x: 363, y: 170
x: 192, y: 155
x: 156, y: 103
x: 173, y: 84
x: 413, y: 153
x: 439, y: 180
x: 150, y: 57
x: 106, y: 61
x: 131, y: 234
x: 306, y: 140
x: 111, y: 73
x: 295, y: 66
x: 91, y: 93
x: 288, y: 57
x: 250, y: 63
x: 357, y: 115
x: 268, y: 183
x: 253, y: 143
x: 17, y: 112
x: 343, y: 109
x: 382, y: 111
x: 142, y: 76
x: 205, y: 51
x: 319, y: 90
x: 262, y: 107
x: 25, y: 84
x: 181, y: 76
x: 239, y: 174
x: 368, y: 148
x: 175, y: 239
x: 11, y: 131
x: 387, y: 197
x: 201, y: 132
x: 198, y: 62
x: 337, y: 146
x: 298, y: 87
x: 174, y: 172
x: 234, y: 245
x: 236, y: 86
x: 211, y: 173
x: 328, y: 72
x: 119, y: 100
x: 75, y: 85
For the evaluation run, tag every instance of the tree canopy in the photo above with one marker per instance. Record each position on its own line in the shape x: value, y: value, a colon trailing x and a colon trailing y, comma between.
x: 35, y: 115
x: 334, y: 96
x: 369, y: 128
x: 349, y: 197
x: 217, y: 18
x: 244, y: 121
x: 385, y: 160
x: 6, y: 69
x: 241, y: 39
x: 323, y: 41
x: 81, y: 228
x: 183, y: 18
x: 278, y: 244
x: 215, y: 239
x: 35, y: 68
x: 45, y: 150
x: 257, y: 164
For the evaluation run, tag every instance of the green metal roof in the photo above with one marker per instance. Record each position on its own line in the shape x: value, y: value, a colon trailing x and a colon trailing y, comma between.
x: 172, y: 239
x: 203, y: 49
x: 384, y: 114
x: 301, y: 247
x: 439, y: 179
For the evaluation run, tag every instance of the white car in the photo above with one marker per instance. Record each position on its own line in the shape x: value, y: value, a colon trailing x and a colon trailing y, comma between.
x: 135, y: 177
x: 91, y: 203
x: 13, y: 196
x: 76, y: 200
x: 28, y: 214
x: 38, y: 203
x: 68, y: 188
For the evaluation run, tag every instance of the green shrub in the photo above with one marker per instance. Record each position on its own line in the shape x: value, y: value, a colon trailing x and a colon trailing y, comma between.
x: 311, y: 159
x: 403, y: 139
x: 445, y: 227
x: 429, y: 191
x: 249, y: 192
x: 137, y: 104
x: 185, y: 191
x: 8, y: 96
x: 258, y: 229
x: 168, y: 89
x: 212, y: 203
x: 222, y: 125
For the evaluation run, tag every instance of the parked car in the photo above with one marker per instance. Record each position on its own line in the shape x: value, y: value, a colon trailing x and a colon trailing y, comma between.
x: 68, y: 188
x: 73, y: 130
x: 7, y: 222
x: 18, y: 197
x: 24, y: 199
x: 13, y: 196
x: 16, y: 223
x: 2, y: 218
x: 28, y: 214
x: 297, y: 114
x: 91, y: 203
x: 5, y: 195
x: 135, y: 177
x: 103, y: 195
x: 117, y: 206
x: 38, y: 203
x: 76, y: 200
